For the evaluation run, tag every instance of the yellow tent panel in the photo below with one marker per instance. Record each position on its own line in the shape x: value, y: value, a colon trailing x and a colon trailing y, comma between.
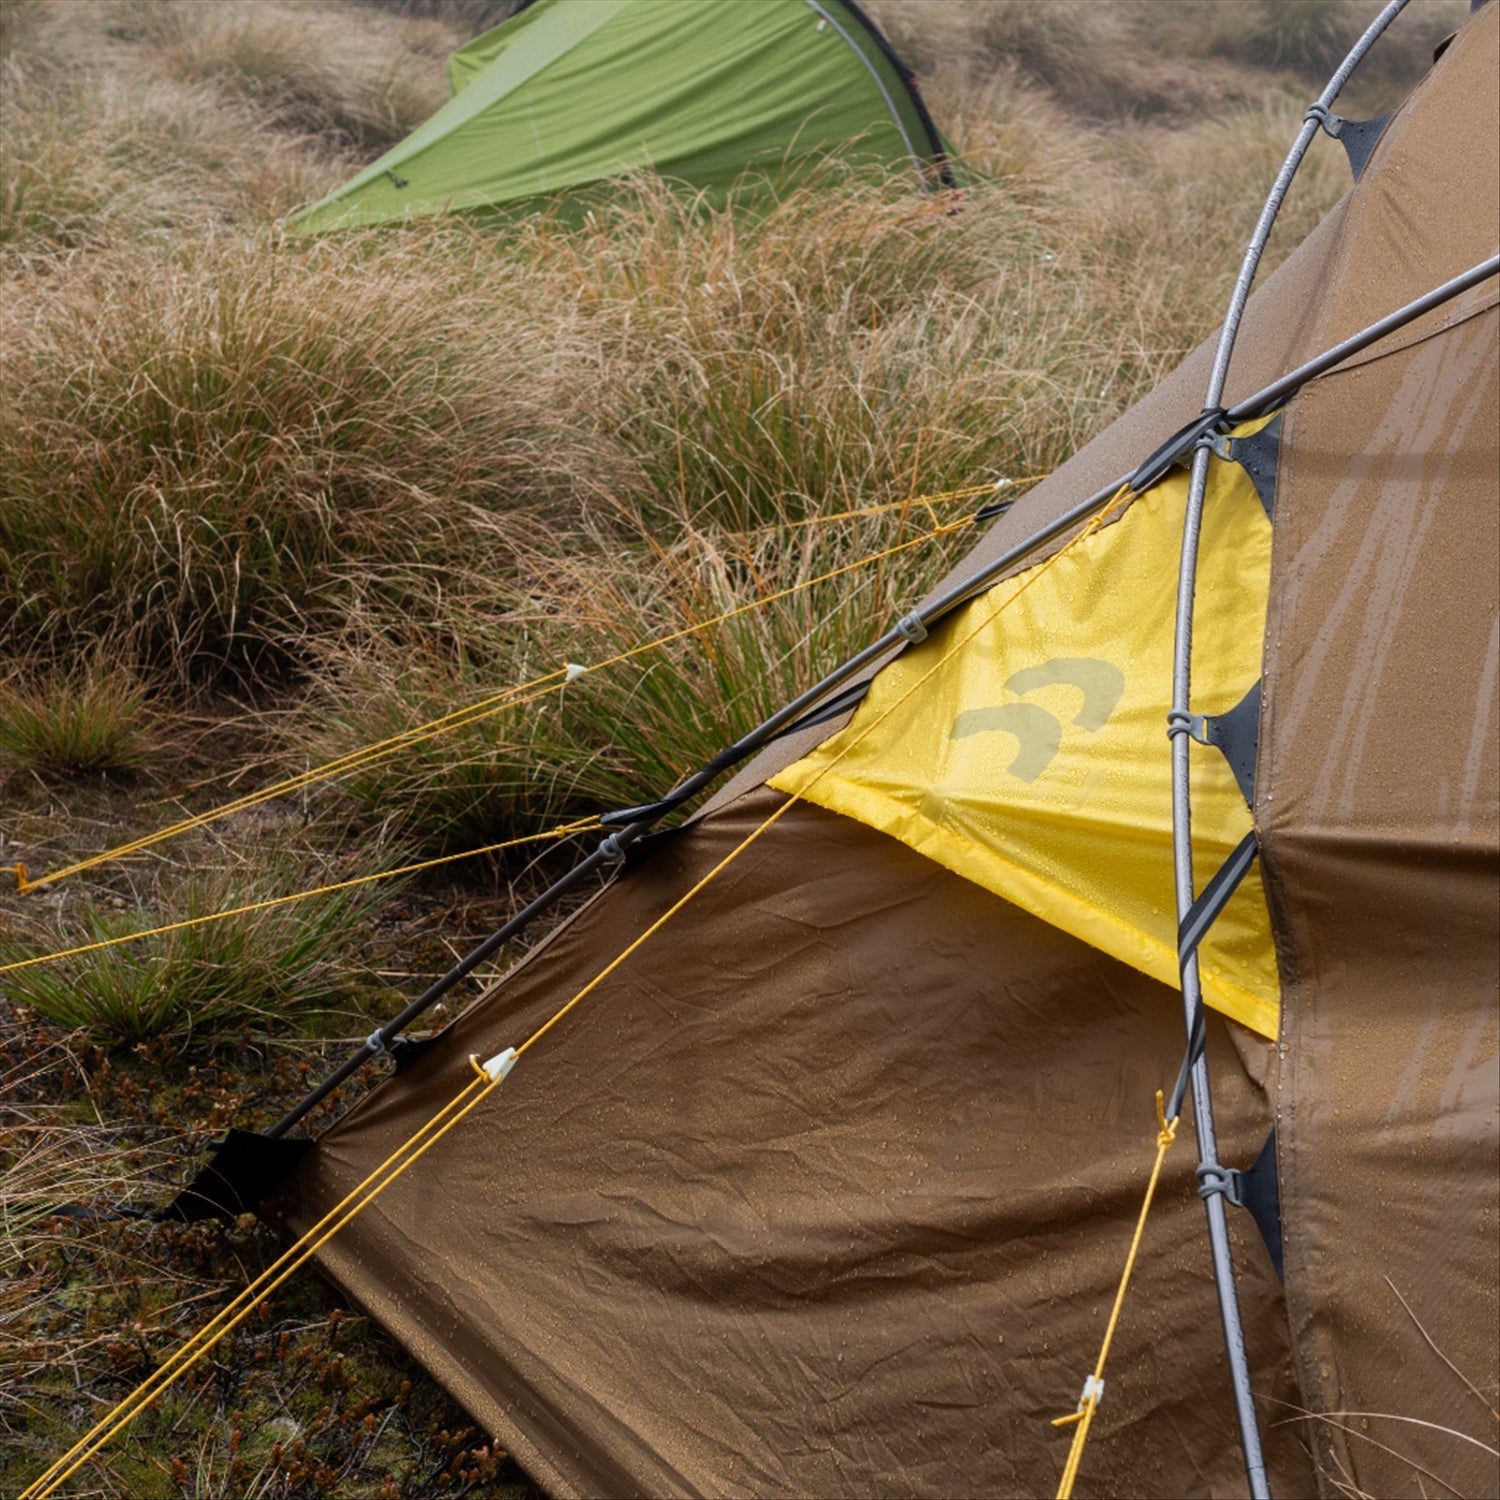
x: 1034, y: 758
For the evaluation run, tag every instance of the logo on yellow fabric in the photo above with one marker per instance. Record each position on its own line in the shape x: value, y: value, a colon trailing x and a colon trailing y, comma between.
x: 1038, y: 731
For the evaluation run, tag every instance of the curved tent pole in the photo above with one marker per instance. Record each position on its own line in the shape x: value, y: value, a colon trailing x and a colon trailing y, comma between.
x: 935, y: 147
x: 1178, y: 722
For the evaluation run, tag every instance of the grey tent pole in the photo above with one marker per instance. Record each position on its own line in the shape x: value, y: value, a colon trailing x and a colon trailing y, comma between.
x: 1182, y: 837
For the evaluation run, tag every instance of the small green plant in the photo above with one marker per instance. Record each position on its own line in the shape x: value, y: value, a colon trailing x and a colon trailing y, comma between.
x: 79, y: 723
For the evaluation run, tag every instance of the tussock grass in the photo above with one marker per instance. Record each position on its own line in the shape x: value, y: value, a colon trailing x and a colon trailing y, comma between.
x: 1311, y: 37
x: 353, y: 87
x: 209, y: 451
x: 91, y: 160
x: 81, y: 721
x: 1141, y: 60
x: 827, y: 351
x: 471, y: 16
x: 208, y: 982
x: 220, y: 449
x: 624, y: 733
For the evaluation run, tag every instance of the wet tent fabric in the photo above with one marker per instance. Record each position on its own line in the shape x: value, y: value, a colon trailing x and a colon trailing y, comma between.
x: 811, y: 1208
x: 1380, y: 777
x: 570, y: 93
x: 826, y: 1189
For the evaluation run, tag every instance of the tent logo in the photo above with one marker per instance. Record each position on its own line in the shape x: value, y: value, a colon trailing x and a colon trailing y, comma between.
x: 1038, y: 732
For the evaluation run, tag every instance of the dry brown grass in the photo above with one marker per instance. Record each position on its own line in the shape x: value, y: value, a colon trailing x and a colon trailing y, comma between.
x: 309, y: 67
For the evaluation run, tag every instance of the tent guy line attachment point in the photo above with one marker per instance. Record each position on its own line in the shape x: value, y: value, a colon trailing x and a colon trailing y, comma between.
x: 497, y: 1067
x: 1093, y: 1390
x: 1213, y: 1178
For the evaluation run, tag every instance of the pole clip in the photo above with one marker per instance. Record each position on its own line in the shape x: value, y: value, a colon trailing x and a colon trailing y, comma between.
x: 611, y: 850
x: 1331, y: 123
x: 911, y: 628
x: 1195, y: 726
x: 375, y: 1044
x: 1212, y: 1179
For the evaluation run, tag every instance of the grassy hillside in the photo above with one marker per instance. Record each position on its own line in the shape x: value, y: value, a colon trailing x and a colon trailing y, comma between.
x: 266, y: 501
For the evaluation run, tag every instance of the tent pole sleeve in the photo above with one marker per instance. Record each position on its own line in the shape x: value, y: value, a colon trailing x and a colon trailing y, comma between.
x: 1280, y: 391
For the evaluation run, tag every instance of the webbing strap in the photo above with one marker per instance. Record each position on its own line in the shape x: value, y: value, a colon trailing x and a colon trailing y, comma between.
x: 1190, y: 932
x: 1213, y: 898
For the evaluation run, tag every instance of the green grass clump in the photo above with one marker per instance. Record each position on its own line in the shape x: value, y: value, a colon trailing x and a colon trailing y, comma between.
x: 208, y: 982
x: 77, y: 723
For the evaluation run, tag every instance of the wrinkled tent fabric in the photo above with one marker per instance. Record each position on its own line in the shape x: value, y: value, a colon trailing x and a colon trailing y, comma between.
x: 571, y: 93
x: 826, y: 1189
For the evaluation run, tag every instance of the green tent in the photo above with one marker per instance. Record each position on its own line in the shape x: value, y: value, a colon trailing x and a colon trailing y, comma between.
x: 569, y: 93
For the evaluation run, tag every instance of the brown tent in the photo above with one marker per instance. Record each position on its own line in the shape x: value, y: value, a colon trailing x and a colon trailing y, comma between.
x: 827, y: 1188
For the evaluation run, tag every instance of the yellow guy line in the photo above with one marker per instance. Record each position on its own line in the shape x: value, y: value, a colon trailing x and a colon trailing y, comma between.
x: 515, y: 697
x: 583, y: 825
x: 245, y: 1303
x: 1093, y: 1387
x: 969, y: 492
x: 451, y: 1113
